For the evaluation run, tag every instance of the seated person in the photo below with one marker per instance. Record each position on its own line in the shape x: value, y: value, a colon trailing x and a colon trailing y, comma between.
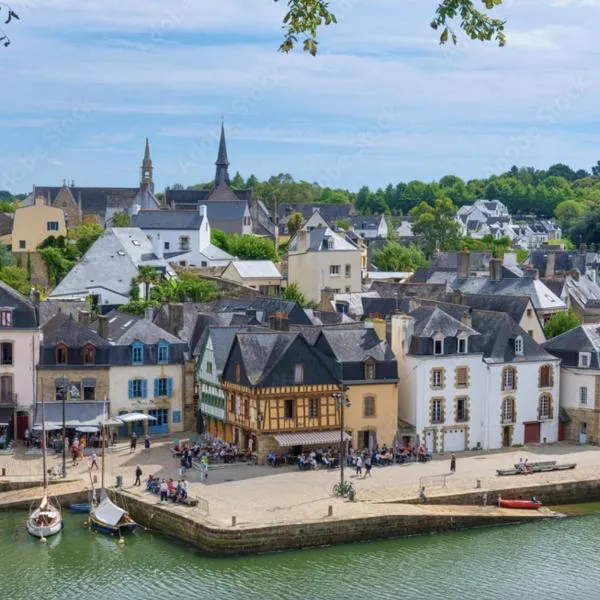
x: 325, y: 461
x: 271, y: 458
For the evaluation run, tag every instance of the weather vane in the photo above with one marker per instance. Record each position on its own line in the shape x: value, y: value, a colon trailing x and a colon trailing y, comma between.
x: 4, y: 39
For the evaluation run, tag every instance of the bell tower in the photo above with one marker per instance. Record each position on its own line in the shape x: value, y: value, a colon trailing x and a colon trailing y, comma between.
x: 146, y: 178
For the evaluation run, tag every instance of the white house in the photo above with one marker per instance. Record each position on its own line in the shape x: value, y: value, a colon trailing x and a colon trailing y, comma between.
x: 181, y: 236
x: 579, y: 351
x: 473, y: 379
x: 369, y: 226
x: 260, y: 275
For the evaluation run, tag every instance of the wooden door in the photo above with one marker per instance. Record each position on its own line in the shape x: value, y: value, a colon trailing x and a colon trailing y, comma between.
x: 532, y: 433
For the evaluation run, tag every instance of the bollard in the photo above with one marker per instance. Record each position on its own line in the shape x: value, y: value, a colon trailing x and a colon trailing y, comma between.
x: 478, y: 485
x: 330, y: 511
x: 233, y: 521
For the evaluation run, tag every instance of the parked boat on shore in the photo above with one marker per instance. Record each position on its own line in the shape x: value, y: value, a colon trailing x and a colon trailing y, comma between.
x: 518, y: 503
x: 536, y: 467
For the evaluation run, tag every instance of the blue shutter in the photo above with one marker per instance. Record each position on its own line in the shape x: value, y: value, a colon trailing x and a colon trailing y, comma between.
x: 156, y: 387
x: 169, y: 387
x: 144, y: 388
x: 176, y: 415
x: 130, y: 382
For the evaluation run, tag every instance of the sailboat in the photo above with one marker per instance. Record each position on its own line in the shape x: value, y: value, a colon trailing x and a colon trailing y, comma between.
x: 45, y: 519
x: 106, y: 516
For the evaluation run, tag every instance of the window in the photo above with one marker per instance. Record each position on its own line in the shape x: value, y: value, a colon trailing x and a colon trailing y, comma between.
x: 22, y: 245
x: 138, y: 388
x: 545, y: 407
x: 209, y: 368
x: 462, y: 345
x: 437, y: 379
x: 529, y: 312
x: 330, y: 244
x: 52, y: 225
x: 369, y: 406
x: 530, y: 332
x: 347, y: 289
x: 298, y: 373
x: 6, y: 389
x: 6, y: 353
x: 89, y: 354
x: 582, y: 395
x: 61, y: 354
x: 163, y: 386
x: 163, y: 352
x: 288, y: 409
x: 348, y: 270
x: 167, y: 246
x: 6, y: 318
x: 137, y: 354
x: 236, y: 372
x: 546, y: 376
x: 519, y: 346
x: 508, y: 410
x: 370, y: 370
x: 585, y: 359
x: 176, y: 416
x: 438, y: 347
x: 60, y: 389
x: 313, y: 408
x: 89, y: 391
x: 508, y: 379
x: 462, y: 377
x: 462, y: 410
x: 74, y: 390
x: 437, y: 410
x: 334, y: 270
x: 184, y: 242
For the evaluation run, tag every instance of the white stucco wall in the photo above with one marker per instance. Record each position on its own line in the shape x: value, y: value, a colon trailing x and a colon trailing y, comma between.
x: 571, y: 380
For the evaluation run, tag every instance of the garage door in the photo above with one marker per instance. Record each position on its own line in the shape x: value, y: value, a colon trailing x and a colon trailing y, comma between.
x: 454, y: 440
x: 532, y: 433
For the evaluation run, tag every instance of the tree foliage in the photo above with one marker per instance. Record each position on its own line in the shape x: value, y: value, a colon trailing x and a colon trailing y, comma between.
x: 248, y: 247
x: 120, y: 219
x: 396, y: 257
x: 292, y: 292
x: 305, y: 17
x: 559, y: 323
x: 437, y: 224
x: 85, y: 235
x: 294, y: 223
x: 16, y: 277
x: 488, y: 243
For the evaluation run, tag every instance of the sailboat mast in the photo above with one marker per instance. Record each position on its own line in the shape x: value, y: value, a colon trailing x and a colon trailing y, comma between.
x: 103, y: 451
x: 45, y: 474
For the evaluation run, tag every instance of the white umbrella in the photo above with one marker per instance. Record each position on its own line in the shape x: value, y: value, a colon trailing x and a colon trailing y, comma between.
x: 111, y: 421
x: 48, y: 427
x: 86, y: 429
x: 135, y: 416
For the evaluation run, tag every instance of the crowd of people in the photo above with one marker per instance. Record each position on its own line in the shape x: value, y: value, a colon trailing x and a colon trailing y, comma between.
x: 168, y: 489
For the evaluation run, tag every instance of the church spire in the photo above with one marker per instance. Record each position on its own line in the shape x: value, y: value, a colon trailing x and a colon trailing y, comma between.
x: 222, y: 174
x: 146, y: 180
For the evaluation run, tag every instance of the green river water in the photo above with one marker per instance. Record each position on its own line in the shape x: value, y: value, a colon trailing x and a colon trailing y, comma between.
x: 547, y: 560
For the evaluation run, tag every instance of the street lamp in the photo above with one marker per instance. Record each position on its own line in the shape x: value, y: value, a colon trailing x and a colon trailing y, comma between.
x: 342, y: 402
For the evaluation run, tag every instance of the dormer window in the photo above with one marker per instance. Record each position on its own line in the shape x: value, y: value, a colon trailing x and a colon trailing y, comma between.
x: 163, y: 352
x: 298, y: 373
x: 438, y: 346
x: 6, y: 319
x: 369, y: 370
x: 519, y: 346
x: 137, y: 353
x: 61, y: 354
x: 89, y: 354
x: 463, y: 345
x: 237, y: 372
x: 585, y: 359
x: 330, y: 243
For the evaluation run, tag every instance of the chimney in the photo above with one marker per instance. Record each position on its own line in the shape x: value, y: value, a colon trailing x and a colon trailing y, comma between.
x: 413, y: 305
x: 157, y: 246
x: 533, y: 273
x: 465, y: 318
x: 149, y: 313
x: 103, y: 326
x: 202, y: 210
x: 301, y: 241
x: 462, y: 263
x: 175, y: 317
x: 84, y: 317
x: 279, y: 322
x: 380, y: 327
x: 402, y: 328
x: 456, y: 297
x: 550, y: 264
x: 582, y: 248
x: 510, y: 259
x: 495, y: 269
x: 135, y: 209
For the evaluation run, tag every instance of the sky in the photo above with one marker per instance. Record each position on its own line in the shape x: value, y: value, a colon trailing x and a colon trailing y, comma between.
x: 84, y: 82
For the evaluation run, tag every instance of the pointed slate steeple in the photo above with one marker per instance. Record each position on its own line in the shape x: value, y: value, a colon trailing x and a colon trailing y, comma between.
x: 222, y: 174
x: 146, y: 179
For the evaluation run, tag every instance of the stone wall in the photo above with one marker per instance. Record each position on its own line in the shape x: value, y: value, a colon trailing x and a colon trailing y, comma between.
x: 46, y: 381
x: 227, y: 288
x: 39, y: 271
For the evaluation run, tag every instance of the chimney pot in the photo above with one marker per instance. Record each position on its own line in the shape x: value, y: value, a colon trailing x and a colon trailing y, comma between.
x: 103, y: 326
x: 462, y: 262
x: 202, y: 209
x: 84, y: 317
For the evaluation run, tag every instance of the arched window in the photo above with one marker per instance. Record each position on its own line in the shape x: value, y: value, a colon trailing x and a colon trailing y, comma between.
x: 508, y: 410
x: 61, y: 354
x: 509, y: 379
x: 546, y: 376
x: 89, y: 354
x: 545, y: 407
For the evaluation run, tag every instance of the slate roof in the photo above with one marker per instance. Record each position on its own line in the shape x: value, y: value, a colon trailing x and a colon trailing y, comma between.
x: 167, y: 219
x: 330, y: 212
x: 256, y: 269
x: 222, y: 339
x: 124, y: 329
x: 191, y: 199
x: 6, y: 223
x: 513, y: 306
x: 49, y: 308
x: 24, y: 315
x: 478, y: 261
x: 568, y: 345
x: 64, y: 328
x: 259, y: 308
x: 435, y: 291
x: 356, y: 344
x: 366, y: 221
x: 433, y: 321
x: 228, y: 216
x: 318, y: 241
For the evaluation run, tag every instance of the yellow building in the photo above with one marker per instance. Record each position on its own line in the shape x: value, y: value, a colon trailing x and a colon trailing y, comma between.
x: 33, y: 224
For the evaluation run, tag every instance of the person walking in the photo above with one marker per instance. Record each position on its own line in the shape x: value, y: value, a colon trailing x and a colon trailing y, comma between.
x: 359, y: 465
x: 94, y: 462
x: 368, y: 466
x: 133, y: 443
x: 164, y: 490
x: 138, y: 475
x: 204, y: 467
x: 453, y: 464
x: 27, y: 439
x: 147, y: 444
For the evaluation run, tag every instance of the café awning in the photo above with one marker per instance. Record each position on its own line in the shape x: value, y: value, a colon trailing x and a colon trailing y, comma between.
x: 6, y: 415
x: 310, y: 438
x: 76, y: 413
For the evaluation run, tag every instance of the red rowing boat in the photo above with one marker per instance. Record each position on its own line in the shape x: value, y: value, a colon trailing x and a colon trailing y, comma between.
x: 531, y: 504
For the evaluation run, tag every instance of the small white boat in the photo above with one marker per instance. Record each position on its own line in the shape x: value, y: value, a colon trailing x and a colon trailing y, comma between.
x: 45, y: 520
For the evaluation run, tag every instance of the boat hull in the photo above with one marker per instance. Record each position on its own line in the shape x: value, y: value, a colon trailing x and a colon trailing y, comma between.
x: 522, y: 504
x: 42, y: 531
x: 80, y: 508
x: 107, y: 529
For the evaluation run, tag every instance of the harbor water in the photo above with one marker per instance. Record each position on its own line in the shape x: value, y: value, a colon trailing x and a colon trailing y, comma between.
x: 552, y: 559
